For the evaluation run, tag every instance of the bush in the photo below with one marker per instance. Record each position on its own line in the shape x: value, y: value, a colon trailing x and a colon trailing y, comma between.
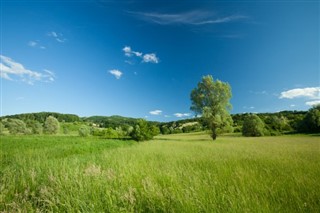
x: 143, y: 131
x: 51, y: 125
x: 16, y: 127
x: 253, y: 126
x: 2, y: 128
x: 84, y: 131
x: 110, y: 133
x: 34, y: 126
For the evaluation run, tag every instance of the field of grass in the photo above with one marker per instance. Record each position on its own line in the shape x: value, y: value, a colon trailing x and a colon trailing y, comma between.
x: 173, y: 173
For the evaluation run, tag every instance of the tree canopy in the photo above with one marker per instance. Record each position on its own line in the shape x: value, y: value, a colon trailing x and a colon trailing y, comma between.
x: 253, y: 126
x: 211, y: 99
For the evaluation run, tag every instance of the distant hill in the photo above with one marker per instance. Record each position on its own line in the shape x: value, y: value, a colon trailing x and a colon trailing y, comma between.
x: 41, y: 116
x: 110, y: 121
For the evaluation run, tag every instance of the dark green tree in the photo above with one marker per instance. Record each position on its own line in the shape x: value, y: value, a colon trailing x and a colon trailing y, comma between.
x: 311, y: 121
x: 211, y: 99
x: 252, y: 126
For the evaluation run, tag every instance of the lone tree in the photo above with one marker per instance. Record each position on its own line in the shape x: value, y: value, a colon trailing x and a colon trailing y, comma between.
x: 211, y: 100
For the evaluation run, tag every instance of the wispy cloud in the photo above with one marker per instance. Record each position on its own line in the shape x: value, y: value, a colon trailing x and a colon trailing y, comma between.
x: 156, y: 112
x: 196, y: 17
x: 36, y: 44
x: 180, y: 115
x: 57, y: 36
x: 146, y: 58
x: 116, y: 73
x: 308, y: 92
x: 12, y: 70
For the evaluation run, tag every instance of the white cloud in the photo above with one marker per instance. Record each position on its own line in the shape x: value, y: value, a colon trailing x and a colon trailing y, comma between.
x: 11, y: 70
x: 129, y: 52
x: 146, y: 58
x: 152, y: 58
x: 57, y: 36
x: 156, y: 112
x: 116, y: 73
x: 308, y: 92
x: 180, y: 115
x: 196, y: 17
x: 313, y: 103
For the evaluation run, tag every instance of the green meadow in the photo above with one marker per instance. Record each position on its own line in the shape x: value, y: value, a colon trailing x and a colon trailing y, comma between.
x: 172, y: 173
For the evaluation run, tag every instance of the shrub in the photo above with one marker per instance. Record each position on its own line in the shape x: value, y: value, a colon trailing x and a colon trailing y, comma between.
x: 2, y: 128
x: 16, y: 127
x: 143, y: 131
x: 110, y: 133
x: 51, y: 125
x: 253, y: 126
x: 84, y: 131
x: 34, y: 126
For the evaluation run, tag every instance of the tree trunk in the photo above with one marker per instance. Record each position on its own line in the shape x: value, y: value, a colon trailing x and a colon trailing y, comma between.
x: 214, y: 135
x: 213, y: 132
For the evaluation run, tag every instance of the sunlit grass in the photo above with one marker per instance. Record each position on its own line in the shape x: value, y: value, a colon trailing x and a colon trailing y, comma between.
x: 175, y: 173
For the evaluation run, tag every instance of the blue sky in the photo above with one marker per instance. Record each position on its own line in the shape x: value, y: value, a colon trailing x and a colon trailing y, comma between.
x: 142, y: 58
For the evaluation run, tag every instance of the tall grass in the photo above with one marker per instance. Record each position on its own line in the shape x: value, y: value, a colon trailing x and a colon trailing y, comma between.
x: 176, y: 173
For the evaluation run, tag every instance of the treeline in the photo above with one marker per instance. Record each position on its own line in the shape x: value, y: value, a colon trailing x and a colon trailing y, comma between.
x: 285, y: 122
x: 118, y: 127
x: 42, y: 116
x: 114, y: 127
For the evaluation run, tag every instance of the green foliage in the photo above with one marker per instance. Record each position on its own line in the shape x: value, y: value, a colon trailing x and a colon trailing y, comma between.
x: 144, y: 131
x: 51, y: 125
x: 84, y: 131
x: 16, y: 126
x: 212, y: 99
x: 2, y: 128
x: 164, y: 130
x: 34, y: 126
x: 107, y: 133
x: 65, y: 130
x: 110, y: 133
x: 42, y: 116
x: 311, y: 122
x: 253, y: 126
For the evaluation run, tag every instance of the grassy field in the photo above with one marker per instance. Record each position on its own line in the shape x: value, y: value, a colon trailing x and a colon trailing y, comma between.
x: 175, y: 173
